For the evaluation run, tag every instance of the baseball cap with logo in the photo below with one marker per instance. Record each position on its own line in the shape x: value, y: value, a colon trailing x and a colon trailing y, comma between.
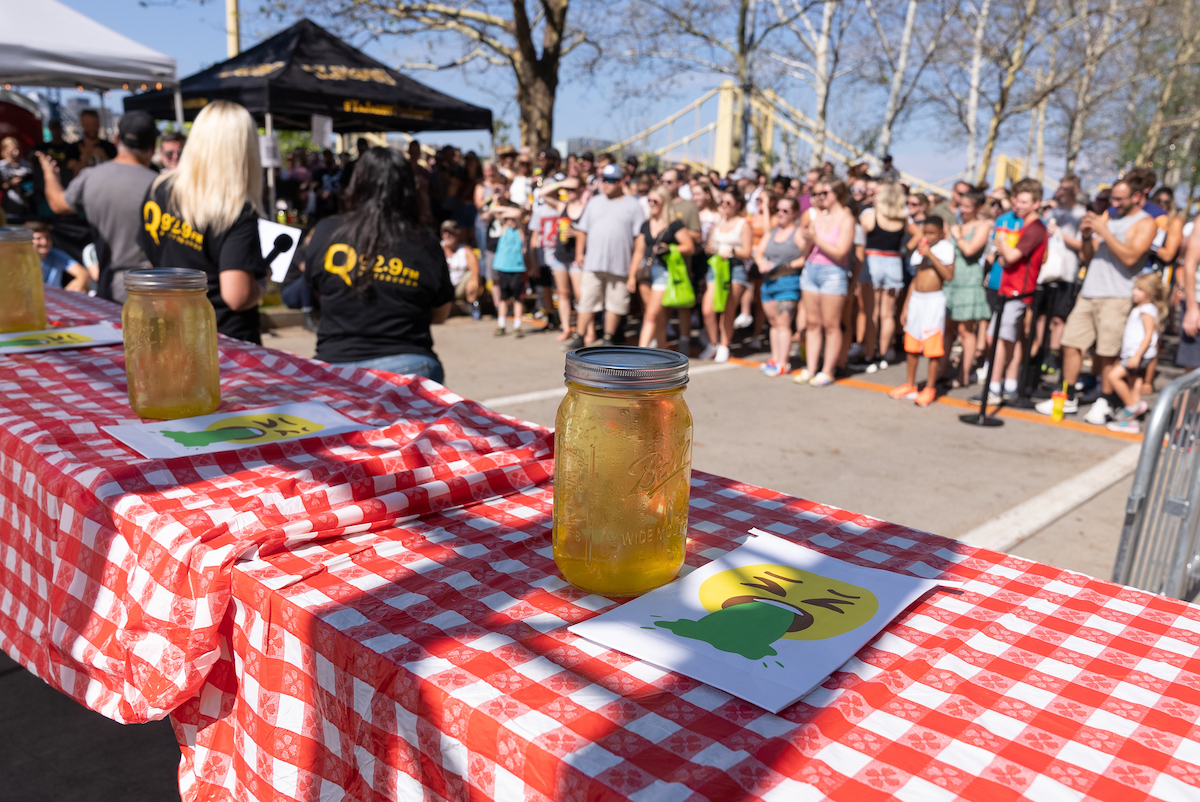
x: 612, y: 172
x: 137, y: 131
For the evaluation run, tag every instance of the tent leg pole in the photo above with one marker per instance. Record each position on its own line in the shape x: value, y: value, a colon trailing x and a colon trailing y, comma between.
x: 179, y: 109
x: 270, y: 126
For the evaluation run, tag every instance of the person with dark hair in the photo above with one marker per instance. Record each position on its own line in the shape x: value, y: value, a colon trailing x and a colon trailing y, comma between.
x: 90, y: 150
x: 383, y: 280
x: 59, y: 270
x: 924, y: 313
x: 171, y: 148
x: 824, y: 282
x: 110, y: 196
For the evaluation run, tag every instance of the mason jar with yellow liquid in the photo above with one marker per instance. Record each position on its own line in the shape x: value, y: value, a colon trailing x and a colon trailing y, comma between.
x: 170, y: 344
x: 622, y: 470
x: 22, y: 300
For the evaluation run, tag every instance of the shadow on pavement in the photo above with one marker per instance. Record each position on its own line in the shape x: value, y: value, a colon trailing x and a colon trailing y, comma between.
x: 53, y: 749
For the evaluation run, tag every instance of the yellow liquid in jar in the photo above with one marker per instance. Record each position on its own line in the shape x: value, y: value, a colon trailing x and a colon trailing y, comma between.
x: 171, y: 361
x: 621, y: 489
x: 22, y: 299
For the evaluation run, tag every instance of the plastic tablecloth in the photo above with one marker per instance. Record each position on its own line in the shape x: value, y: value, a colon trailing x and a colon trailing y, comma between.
x: 427, y: 657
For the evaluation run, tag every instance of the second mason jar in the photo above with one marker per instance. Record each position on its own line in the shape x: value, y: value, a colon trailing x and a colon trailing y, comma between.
x: 623, y: 464
x: 22, y: 302
x: 170, y: 344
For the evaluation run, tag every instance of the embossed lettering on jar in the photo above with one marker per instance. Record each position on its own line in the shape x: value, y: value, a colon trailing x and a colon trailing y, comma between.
x: 623, y: 463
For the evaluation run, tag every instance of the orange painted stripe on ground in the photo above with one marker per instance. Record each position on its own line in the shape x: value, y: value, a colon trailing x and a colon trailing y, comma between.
x: 1028, y: 415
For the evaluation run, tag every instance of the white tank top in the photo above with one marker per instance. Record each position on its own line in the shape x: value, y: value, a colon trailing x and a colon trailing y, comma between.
x: 729, y: 240
x: 458, y: 264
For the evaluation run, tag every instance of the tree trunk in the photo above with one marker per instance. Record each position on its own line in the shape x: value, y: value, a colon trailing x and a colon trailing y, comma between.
x: 537, y: 75
x: 973, y: 91
x: 824, y: 75
x: 889, y: 114
x: 1041, y: 139
x: 1182, y: 157
x: 1015, y: 61
x: 1093, y: 54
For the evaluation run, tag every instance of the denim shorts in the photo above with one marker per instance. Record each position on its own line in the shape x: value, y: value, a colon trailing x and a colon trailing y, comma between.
x: 658, y: 276
x: 883, y: 271
x: 737, y: 273
x: 824, y: 279
x: 405, y: 364
x: 786, y: 288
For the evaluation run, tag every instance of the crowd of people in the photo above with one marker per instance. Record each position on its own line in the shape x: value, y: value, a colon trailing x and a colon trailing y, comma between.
x: 828, y: 274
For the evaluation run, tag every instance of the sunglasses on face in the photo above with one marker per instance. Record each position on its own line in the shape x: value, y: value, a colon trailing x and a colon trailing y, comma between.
x: 820, y: 194
x: 858, y: 191
x: 912, y: 203
x: 609, y: 180
x: 653, y: 202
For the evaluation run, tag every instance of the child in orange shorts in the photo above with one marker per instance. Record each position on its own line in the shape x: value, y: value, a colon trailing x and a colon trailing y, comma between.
x: 924, y: 313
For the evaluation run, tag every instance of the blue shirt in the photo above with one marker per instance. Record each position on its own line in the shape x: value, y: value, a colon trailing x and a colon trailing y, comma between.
x: 509, y: 257
x: 54, y: 268
x: 1007, y: 230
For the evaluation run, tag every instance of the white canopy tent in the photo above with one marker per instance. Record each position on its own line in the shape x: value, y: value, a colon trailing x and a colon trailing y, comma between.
x: 45, y: 43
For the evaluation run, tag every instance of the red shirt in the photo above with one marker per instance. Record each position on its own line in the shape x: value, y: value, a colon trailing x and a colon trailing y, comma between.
x: 1020, y: 278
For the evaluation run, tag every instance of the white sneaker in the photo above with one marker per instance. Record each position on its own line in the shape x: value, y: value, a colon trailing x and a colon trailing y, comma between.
x: 1098, y: 414
x: 743, y: 321
x: 722, y: 354
x: 709, y: 352
x: 872, y: 367
x: 1070, y: 406
x: 882, y: 364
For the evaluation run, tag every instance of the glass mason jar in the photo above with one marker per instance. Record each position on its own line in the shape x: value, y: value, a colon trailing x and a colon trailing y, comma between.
x: 22, y: 301
x: 622, y: 470
x: 170, y: 343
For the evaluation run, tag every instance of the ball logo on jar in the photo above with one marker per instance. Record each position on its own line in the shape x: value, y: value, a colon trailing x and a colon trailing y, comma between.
x: 653, y: 470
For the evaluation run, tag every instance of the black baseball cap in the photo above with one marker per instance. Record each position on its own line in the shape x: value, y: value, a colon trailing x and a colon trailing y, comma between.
x: 587, y: 156
x: 137, y: 131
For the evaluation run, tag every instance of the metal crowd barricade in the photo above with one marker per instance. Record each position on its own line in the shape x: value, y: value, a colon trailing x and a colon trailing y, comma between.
x: 1160, y: 548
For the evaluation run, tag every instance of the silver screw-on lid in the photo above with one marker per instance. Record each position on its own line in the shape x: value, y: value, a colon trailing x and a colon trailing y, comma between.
x: 166, y: 278
x: 15, y: 234
x: 612, y: 367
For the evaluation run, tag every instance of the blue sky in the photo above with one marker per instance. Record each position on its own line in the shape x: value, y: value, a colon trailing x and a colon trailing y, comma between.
x: 194, y: 34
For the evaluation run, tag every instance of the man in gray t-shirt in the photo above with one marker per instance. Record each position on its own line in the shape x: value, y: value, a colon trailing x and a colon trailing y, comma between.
x: 110, y: 196
x: 608, y: 227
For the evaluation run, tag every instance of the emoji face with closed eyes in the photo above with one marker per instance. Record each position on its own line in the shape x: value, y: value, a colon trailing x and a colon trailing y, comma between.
x: 265, y: 428
x: 752, y: 607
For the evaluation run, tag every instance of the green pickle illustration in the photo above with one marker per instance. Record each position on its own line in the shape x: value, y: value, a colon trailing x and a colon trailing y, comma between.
x: 32, y: 341
x: 247, y: 429
x: 751, y: 608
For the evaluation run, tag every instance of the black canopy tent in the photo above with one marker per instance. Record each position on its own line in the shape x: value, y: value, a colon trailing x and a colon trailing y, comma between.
x: 306, y: 70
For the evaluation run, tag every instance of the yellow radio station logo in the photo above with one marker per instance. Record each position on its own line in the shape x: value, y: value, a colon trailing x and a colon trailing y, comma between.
x: 340, y: 72
x: 341, y: 260
x: 46, y: 339
x: 752, y: 607
x: 161, y: 225
x: 247, y: 429
x: 252, y: 71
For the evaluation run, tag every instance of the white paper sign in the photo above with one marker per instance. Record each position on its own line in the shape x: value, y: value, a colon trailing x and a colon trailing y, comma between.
x: 230, y: 431
x: 268, y: 232
x: 268, y: 151
x: 20, y: 342
x: 322, y: 131
x: 768, y: 622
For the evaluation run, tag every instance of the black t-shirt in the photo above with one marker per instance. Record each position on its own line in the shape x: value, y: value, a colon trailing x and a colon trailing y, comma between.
x: 393, y: 314
x: 665, y: 237
x: 72, y: 151
x: 171, y: 242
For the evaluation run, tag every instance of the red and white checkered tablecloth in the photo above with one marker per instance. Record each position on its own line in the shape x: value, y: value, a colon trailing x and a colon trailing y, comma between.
x: 429, y: 659
x: 115, y: 570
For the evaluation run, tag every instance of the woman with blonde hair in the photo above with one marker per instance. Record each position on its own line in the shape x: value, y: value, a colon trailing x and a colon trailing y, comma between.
x: 884, y: 270
x: 204, y: 215
x: 649, y: 266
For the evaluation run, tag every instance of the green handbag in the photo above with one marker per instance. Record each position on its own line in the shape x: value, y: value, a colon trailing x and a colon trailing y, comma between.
x: 679, y: 294
x: 721, y: 281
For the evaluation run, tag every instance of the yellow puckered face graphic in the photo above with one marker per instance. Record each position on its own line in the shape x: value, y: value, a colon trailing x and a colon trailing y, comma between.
x: 248, y: 429
x: 46, y: 339
x: 752, y: 607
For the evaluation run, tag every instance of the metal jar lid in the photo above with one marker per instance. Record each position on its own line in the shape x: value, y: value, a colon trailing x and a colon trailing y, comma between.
x: 165, y: 278
x: 612, y: 367
x: 15, y: 234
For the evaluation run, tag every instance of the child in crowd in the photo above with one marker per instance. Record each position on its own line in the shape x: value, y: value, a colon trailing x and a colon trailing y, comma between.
x: 1139, y: 345
x: 510, y: 268
x: 924, y: 313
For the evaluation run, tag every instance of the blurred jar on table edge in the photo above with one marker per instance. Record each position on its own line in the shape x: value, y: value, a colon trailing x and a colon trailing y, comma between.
x: 622, y: 472
x: 22, y: 299
x: 170, y: 330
